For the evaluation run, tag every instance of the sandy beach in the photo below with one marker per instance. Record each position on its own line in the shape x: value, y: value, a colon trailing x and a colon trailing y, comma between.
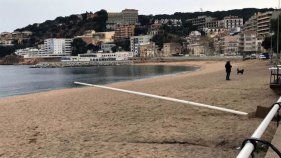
x: 93, y: 122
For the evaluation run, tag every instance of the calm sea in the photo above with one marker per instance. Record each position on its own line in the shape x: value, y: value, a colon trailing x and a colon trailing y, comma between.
x: 17, y: 80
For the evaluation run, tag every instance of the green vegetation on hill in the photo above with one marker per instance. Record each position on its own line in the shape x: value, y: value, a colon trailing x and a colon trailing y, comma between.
x: 67, y: 27
x: 245, y: 13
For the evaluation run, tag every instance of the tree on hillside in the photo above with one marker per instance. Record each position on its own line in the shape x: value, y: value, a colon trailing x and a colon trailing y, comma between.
x: 124, y: 44
x: 160, y: 39
x: 78, y: 47
x: 93, y: 47
x: 141, y: 31
x: 100, y: 20
x: 144, y: 20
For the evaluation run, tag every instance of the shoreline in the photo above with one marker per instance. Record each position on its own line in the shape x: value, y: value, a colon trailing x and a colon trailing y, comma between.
x: 101, y: 123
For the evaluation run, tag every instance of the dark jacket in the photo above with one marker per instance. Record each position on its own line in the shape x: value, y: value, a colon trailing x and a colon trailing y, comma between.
x: 228, y: 67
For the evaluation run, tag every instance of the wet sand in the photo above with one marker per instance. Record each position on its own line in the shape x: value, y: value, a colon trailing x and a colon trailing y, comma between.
x: 93, y: 122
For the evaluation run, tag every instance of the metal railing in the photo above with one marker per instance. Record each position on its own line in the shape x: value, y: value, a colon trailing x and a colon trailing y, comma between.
x: 249, y: 146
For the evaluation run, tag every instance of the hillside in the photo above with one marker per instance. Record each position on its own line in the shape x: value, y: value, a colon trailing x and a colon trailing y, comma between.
x: 67, y: 27
x: 73, y: 25
x: 70, y: 26
x: 245, y: 13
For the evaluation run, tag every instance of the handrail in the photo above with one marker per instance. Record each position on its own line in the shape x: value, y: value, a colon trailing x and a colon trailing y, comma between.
x: 249, y: 147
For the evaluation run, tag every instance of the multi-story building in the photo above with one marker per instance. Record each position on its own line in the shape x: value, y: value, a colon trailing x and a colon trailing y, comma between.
x: 197, y: 45
x: 260, y: 22
x: 251, y: 24
x: 130, y: 16
x: 230, y: 45
x: 103, y: 37
x: 197, y: 49
x: 127, y: 16
x: 263, y: 23
x: 59, y: 46
x: 114, y: 18
x: 170, y: 49
x: 6, y: 43
x: 124, y: 31
x: 14, y: 37
x: 248, y: 41
x: 232, y: 22
x: 136, y: 41
x: 153, y: 31
x: 148, y: 50
x: 97, y: 38
x: 30, y: 52
x: 200, y: 21
x: 213, y: 24
x: 6, y: 36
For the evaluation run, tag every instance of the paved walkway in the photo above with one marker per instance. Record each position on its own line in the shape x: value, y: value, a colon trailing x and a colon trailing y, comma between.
x: 276, y: 141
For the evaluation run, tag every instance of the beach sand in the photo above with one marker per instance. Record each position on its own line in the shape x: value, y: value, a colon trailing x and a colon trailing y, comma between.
x: 93, y: 122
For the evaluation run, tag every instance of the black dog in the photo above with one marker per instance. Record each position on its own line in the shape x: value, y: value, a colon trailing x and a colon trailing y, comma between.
x: 240, y: 71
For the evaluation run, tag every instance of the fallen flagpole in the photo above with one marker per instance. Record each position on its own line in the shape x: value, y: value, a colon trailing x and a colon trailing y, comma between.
x: 166, y: 98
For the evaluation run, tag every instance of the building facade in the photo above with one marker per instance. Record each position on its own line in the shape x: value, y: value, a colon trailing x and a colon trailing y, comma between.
x: 230, y: 22
x: 247, y: 42
x: 200, y: 21
x: 136, y: 41
x: 59, y: 46
x: 127, y: 16
x: 130, y: 16
x: 260, y: 23
x: 148, y: 50
x: 230, y: 45
x: 170, y: 49
x: 103, y: 37
x: 124, y: 31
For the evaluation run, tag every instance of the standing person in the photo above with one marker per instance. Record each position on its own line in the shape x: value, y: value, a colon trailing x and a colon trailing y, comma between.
x: 228, y: 69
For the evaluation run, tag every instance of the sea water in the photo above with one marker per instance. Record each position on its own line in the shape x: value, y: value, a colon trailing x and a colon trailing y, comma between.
x: 18, y: 80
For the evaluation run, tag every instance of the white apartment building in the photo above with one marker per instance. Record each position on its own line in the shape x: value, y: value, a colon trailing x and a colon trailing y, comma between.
x: 263, y: 23
x: 59, y: 46
x: 248, y: 42
x: 136, y: 41
x: 260, y: 22
x: 31, y: 52
x: 232, y: 22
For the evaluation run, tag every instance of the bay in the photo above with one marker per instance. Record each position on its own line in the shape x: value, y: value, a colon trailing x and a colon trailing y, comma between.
x: 18, y: 80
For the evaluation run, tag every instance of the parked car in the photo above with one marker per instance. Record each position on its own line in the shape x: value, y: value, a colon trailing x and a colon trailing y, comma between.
x: 249, y: 56
x: 264, y: 56
x: 253, y: 56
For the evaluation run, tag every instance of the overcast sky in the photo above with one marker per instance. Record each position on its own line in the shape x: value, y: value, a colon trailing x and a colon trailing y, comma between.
x: 19, y: 13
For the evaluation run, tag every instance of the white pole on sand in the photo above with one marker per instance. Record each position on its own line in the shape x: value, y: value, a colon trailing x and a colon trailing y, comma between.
x: 166, y: 98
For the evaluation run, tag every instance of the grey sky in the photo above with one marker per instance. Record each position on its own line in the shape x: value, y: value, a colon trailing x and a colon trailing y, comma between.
x: 19, y: 13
